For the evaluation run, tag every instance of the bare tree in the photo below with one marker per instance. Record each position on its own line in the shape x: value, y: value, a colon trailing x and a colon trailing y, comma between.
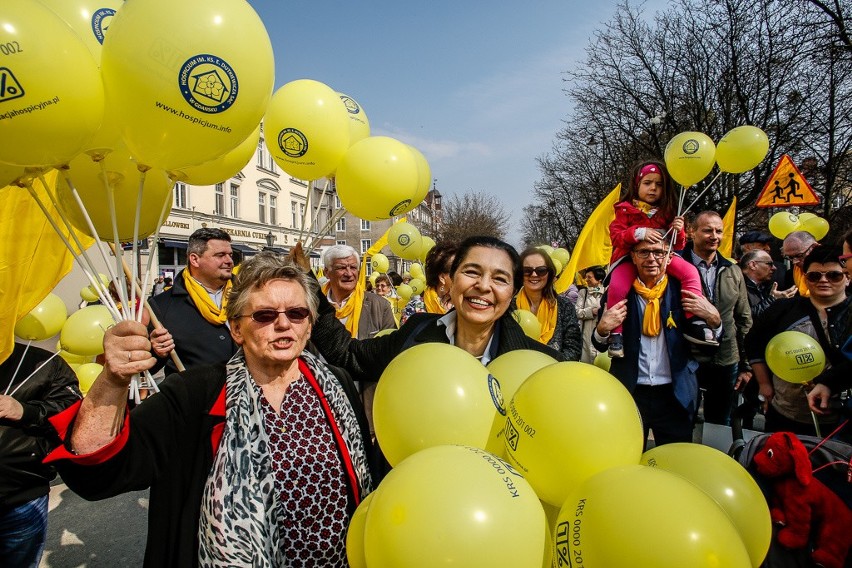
x: 472, y: 214
x: 704, y: 65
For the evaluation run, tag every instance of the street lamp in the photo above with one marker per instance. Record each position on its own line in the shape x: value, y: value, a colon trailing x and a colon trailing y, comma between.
x: 270, y: 240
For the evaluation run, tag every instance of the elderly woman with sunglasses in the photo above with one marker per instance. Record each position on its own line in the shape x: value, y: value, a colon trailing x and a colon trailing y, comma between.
x: 556, y: 314
x: 260, y: 462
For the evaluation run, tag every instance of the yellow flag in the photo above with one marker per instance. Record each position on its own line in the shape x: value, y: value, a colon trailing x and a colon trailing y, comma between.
x: 593, y: 246
x: 726, y: 247
x: 33, y: 258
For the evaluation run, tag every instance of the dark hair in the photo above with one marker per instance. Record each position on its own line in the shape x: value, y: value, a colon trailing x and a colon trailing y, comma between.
x: 198, y: 240
x: 822, y: 255
x: 494, y: 243
x: 598, y: 271
x: 847, y: 238
x: 667, y: 205
x: 394, y: 279
x: 384, y: 278
x: 547, y: 292
x: 438, y: 260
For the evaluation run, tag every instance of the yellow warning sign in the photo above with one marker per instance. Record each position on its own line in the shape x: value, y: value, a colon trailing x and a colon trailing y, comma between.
x: 787, y: 187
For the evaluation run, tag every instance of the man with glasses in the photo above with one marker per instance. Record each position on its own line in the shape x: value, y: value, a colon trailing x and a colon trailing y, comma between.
x: 758, y: 269
x: 192, y: 311
x: 797, y: 245
x: 823, y: 316
x: 657, y: 367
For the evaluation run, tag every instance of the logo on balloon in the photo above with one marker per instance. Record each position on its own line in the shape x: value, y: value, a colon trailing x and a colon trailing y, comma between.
x: 691, y: 146
x: 805, y: 358
x: 10, y: 88
x: 400, y: 207
x: 292, y: 142
x: 350, y: 104
x: 512, y: 435
x: 404, y: 240
x: 208, y: 83
x: 496, y: 394
x: 101, y: 20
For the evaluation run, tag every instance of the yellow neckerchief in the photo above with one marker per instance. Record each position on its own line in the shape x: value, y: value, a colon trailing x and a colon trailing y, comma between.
x: 202, y: 300
x: 352, y: 309
x: 651, y: 322
x: 433, y: 302
x: 645, y: 208
x: 801, y: 282
x: 546, y: 314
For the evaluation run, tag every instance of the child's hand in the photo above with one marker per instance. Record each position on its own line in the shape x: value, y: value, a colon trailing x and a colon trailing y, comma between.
x: 653, y: 236
x: 677, y: 224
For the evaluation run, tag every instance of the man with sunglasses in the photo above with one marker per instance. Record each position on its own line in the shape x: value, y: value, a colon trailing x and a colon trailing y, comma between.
x: 657, y: 367
x: 823, y: 316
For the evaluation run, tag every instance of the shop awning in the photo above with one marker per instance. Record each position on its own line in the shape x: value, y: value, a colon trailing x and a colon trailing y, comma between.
x: 245, y: 249
x: 169, y: 243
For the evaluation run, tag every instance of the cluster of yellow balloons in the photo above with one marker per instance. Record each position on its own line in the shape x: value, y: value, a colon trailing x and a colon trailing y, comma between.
x: 795, y: 357
x: 690, y: 156
x: 783, y: 223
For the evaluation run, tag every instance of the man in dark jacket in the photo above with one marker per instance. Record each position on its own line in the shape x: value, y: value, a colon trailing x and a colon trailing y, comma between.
x: 192, y: 311
x: 26, y: 437
x: 758, y: 268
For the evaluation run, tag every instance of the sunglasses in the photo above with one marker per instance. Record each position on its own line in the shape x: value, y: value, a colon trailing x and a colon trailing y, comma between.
x: 538, y: 271
x: 295, y: 315
x: 843, y: 258
x: 833, y: 276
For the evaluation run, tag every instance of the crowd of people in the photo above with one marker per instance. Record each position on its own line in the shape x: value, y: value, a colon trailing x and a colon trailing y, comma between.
x: 270, y: 375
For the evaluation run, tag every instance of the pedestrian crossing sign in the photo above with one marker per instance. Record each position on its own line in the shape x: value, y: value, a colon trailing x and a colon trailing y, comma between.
x: 787, y: 187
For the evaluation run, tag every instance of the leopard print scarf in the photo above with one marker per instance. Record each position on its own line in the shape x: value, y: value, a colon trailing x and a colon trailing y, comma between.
x: 239, y: 507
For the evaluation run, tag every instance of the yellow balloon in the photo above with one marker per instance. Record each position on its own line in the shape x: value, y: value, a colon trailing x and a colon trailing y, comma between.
x: 416, y: 271
x: 689, y: 157
x: 224, y: 167
x: 602, y: 361
x: 89, y: 18
x: 643, y: 517
x: 417, y: 286
x: 513, y: 368
x: 427, y: 244
x: 380, y: 263
x: 805, y: 216
x: 355, y: 534
x: 86, y: 375
x: 9, y: 174
x: 433, y: 394
x: 307, y: 129
x: 89, y: 295
x: 122, y: 176
x: 795, y: 357
x: 184, y: 90
x: 373, y: 277
x: 404, y: 291
x: 377, y: 178
x: 783, y: 223
x: 529, y: 323
x: 43, y: 321
x: 71, y: 358
x: 404, y: 240
x: 562, y: 255
x: 359, y: 124
x: 454, y: 506
x: 557, y: 266
x: 83, y: 332
x: 385, y: 332
x: 424, y: 176
x: 546, y: 248
x: 567, y: 422
x: 742, y: 149
x: 52, y: 95
x: 727, y: 483
x: 816, y: 226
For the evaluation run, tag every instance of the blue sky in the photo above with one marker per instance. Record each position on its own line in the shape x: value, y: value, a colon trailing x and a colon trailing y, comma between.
x: 476, y: 86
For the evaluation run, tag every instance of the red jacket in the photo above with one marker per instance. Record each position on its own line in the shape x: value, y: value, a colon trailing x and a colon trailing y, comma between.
x: 628, y: 218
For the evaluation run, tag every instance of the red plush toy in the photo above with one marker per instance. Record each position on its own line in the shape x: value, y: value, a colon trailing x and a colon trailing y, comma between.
x: 802, y: 503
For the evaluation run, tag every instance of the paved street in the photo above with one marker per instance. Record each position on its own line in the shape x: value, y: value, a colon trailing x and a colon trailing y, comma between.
x: 105, y: 534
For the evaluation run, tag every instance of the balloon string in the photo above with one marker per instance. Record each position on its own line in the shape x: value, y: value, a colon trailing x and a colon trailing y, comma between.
x: 39, y: 368
x: 86, y: 263
x: 120, y: 282
x: 331, y: 221
x: 307, y: 210
x: 313, y: 224
x: 18, y: 368
x: 155, y: 239
x: 135, y: 254
x: 703, y: 191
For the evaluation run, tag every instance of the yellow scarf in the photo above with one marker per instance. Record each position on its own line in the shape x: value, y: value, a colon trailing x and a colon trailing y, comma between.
x: 651, y: 324
x: 801, y: 282
x: 202, y: 300
x: 645, y: 208
x: 546, y: 315
x: 433, y: 302
x: 352, y: 309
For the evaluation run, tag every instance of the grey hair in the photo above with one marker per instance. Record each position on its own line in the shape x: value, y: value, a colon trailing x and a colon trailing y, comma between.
x: 335, y: 252
x: 753, y: 255
x: 259, y: 270
x: 804, y: 238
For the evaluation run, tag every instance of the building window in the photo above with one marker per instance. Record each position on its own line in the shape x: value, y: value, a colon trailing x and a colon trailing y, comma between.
x: 337, y: 203
x: 340, y: 242
x: 260, y: 163
x: 219, y: 203
x: 341, y: 225
x: 365, y: 245
x: 297, y: 213
x: 235, y: 201
x: 365, y: 225
x: 180, y: 196
x: 261, y: 206
x: 273, y: 210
